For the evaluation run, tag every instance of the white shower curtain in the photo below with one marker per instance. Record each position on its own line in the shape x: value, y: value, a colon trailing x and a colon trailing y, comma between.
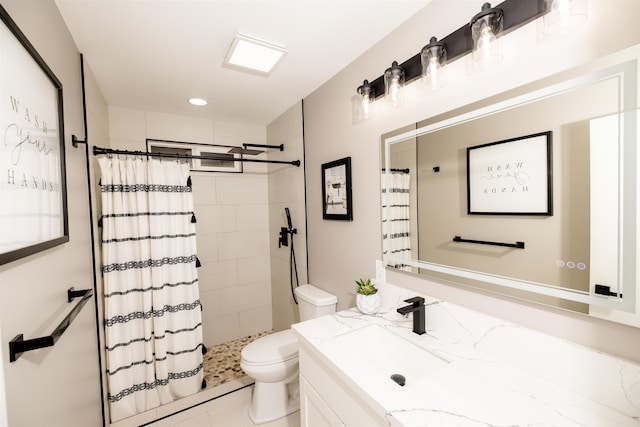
x: 153, y: 326
x: 396, y: 224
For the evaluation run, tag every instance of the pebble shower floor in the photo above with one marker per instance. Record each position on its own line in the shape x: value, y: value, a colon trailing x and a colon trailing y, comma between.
x: 222, y: 361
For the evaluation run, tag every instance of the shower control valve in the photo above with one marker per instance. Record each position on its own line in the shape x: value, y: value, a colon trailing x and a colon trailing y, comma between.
x: 283, y: 240
x: 284, y: 237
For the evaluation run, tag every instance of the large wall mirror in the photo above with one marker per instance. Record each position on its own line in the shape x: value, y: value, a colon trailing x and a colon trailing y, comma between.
x: 532, y: 193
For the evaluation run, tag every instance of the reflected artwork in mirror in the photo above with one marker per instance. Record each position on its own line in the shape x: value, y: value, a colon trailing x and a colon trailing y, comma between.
x: 511, y: 177
x: 564, y: 180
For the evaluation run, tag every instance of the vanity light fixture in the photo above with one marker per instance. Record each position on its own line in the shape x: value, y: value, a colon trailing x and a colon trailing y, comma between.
x: 486, y: 28
x: 198, y: 102
x: 433, y: 57
x: 563, y: 16
x: 253, y: 55
x: 393, y: 84
x: 481, y: 37
x: 365, y: 106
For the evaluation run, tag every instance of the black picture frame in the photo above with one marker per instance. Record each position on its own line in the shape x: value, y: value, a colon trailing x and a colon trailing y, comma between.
x: 511, y: 177
x: 33, y: 197
x: 336, y: 190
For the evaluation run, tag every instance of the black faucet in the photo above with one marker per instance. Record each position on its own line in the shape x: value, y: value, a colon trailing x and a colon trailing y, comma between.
x: 417, y: 308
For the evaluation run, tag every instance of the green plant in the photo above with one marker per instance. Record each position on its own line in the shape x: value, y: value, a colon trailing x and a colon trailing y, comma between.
x: 365, y: 287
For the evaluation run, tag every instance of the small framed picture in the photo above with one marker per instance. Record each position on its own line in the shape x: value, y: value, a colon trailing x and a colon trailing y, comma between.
x: 336, y: 190
x: 511, y: 177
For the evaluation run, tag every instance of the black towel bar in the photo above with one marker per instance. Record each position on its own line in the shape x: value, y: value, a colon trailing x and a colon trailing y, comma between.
x: 19, y: 345
x: 518, y: 245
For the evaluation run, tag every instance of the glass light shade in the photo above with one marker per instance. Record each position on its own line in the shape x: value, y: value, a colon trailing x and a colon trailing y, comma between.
x: 486, y: 28
x: 433, y: 58
x: 563, y: 16
x: 364, y: 108
x: 393, y: 84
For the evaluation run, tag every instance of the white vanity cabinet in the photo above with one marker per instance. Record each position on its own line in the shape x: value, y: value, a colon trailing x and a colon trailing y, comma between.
x: 314, y: 411
x: 327, y: 401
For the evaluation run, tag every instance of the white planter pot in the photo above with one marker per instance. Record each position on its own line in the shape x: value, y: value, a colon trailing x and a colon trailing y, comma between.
x: 368, y: 304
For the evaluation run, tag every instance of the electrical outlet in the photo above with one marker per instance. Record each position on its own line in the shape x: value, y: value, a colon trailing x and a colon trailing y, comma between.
x: 381, y: 273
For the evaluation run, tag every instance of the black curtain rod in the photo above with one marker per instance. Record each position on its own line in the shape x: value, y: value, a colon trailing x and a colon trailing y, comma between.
x: 99, y: 150
x: 397, y: 170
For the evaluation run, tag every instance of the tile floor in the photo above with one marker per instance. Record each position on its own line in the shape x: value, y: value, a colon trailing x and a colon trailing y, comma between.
x: 222, y: 361
x: 230, y: 410
x: 228, y: 392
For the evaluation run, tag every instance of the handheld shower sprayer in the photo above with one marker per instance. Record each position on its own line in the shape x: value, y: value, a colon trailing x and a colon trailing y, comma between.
x: 283, y: 240
x: 286, y: 211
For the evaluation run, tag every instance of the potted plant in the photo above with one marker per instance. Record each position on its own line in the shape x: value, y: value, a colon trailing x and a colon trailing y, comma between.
x: 367, y: 298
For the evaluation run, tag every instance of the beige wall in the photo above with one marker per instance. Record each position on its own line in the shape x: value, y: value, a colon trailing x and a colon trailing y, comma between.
x: 286, y: 189
x: 56, y: 386
x: 340, y: 252
x: 232, y: 213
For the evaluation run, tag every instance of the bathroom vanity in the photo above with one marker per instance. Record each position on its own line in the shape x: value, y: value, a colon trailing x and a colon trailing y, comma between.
x: 468, y: 369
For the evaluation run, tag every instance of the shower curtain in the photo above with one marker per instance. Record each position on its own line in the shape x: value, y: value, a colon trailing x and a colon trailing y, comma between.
x: 396, y: 236
x: 153, y: 326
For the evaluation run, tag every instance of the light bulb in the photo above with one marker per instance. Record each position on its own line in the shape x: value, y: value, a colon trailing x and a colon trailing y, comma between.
x: 394, y: 91
x: 434, y: 71
x: 487, y: 51
x: 562, y: 8
x: 433, y: 57
x: 486, y: 42
x: 365, y: 107
x: 394, y: 81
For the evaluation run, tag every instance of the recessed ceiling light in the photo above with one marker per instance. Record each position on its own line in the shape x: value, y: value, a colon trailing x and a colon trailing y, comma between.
x: 253, y: 55
x: 198, y: 101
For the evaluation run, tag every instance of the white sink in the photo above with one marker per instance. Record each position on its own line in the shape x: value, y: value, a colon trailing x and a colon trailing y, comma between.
x: 371, y: 355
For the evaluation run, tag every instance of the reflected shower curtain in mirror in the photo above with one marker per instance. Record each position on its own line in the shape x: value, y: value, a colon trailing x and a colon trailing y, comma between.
x: 396, y: 226
x: 153, y: 328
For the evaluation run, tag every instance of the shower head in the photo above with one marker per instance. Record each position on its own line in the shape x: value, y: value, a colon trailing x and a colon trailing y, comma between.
x: 252, y: 152
x: 242, y: 150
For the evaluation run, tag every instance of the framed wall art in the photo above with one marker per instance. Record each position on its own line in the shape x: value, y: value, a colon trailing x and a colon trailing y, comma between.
x: 336, y: 190
x: 511, y: 177
x: 33, y: 200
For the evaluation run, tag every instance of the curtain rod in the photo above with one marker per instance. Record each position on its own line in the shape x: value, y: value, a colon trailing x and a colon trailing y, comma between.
x: 99, y: 150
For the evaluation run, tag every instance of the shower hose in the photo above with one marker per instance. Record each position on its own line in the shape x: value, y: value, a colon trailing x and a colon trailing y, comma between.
x: 293, y: 269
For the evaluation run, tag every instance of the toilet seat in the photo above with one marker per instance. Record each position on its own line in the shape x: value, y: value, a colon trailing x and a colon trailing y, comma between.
x: 271, y: 349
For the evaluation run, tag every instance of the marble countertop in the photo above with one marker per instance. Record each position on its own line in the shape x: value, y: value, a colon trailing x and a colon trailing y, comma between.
x: 472, y: 389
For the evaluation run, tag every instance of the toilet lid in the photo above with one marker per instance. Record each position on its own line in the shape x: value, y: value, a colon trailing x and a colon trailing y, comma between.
x: 273, y: 348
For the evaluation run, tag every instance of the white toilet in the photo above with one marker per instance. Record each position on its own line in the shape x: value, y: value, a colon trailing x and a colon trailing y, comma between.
x: 272, y: 361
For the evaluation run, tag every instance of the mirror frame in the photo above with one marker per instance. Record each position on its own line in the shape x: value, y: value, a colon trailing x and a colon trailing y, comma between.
x: 625, y: 73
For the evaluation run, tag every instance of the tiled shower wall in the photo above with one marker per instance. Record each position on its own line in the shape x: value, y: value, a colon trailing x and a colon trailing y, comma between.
x: 232, y: 211
x: 286, y: 190
x: 233, y: 247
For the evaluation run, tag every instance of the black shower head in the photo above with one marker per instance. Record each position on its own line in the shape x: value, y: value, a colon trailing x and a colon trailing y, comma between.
x: 243, y: 150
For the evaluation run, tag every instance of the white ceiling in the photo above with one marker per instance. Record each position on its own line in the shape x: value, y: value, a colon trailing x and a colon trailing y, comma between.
x: 155, y: 54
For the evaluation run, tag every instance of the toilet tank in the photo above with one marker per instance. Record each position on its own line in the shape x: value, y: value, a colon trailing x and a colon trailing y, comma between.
x: 314, y: 302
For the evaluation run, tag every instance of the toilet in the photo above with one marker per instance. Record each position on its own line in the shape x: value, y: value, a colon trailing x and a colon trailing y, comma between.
x: 272, y: 361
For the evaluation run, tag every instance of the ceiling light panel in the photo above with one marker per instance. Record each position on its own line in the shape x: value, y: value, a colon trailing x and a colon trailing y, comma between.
x: 199, y: 102
x: 253, y: 55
